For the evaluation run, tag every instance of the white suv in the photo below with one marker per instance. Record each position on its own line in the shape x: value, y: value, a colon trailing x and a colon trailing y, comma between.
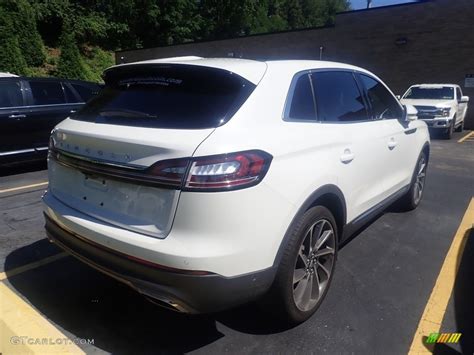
x: 207, y: 183
x: 442, y: 106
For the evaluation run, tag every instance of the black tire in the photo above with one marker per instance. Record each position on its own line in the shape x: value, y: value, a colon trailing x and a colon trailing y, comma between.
x: 449, y: 132
x: 460, y: 128
x: 411, y: 199
x: 281, y: 300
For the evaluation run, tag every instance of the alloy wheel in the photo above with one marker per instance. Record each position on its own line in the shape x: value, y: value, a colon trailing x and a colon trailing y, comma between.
x: 314, y: 265
x: 420, y: 180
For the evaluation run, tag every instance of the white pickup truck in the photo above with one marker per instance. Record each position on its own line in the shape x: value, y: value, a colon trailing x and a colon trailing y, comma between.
x: 441, y: 106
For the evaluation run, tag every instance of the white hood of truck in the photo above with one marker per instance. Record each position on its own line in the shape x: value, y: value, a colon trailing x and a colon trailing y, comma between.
x: 435, y: 103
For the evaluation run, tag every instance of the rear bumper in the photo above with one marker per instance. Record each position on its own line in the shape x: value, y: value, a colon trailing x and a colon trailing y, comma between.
x: 175, y: 289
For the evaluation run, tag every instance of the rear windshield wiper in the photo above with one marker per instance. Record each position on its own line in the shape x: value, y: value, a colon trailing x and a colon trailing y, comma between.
x: 125, y: 113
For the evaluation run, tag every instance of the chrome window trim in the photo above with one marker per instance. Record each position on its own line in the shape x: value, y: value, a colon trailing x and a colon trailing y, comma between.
x: 22, y: 151
x: 33, y: 106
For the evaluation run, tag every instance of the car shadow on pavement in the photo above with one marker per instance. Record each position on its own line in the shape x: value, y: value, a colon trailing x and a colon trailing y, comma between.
x: 86, y: 304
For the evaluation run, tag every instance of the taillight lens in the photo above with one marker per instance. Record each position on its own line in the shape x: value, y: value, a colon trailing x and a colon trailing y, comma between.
x: 213, y: 173
x: 169, y: 172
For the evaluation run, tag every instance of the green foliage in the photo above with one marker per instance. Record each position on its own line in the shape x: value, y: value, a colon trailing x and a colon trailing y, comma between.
x: 11, y: 58
x: 97, y: 60
x: 24, y: 23
x: 71, y: 64
x: 88, y: 30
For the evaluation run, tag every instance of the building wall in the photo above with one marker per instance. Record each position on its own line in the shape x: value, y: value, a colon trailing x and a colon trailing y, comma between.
x: 425, y: 42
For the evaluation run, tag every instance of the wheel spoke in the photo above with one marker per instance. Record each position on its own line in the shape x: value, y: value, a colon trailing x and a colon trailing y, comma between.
x: 310, y: 242
x: 324, y: 237
x: 303, y: 258
x: 324, y: 251
x: 300, y: 290
x: 322, y: 267
x: 319, y: 230
x: 422, y: 167
x: 306, y: 296
x: 316, y: 283
x: 298, y: 275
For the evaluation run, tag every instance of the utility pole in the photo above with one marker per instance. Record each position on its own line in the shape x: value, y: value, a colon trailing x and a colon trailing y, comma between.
x: 369, y: 4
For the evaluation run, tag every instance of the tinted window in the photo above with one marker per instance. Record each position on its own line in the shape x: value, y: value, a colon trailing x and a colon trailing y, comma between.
x: 458, y: 93
x: 302, y: 103
x: 384, y: 105
x: 430, y: 93
x: 10, y: 93
x: 338, y: 97
x: 70, y: 96
x: 167, y: 96
x: 47, y: 93
x: 85, y: 92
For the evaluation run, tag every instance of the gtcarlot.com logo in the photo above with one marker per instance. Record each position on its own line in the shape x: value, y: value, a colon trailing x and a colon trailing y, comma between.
x: 443, y: 338
x: 26, y: 340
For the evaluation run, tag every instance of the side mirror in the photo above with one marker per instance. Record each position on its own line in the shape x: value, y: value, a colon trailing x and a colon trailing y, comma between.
x: 464, y: 99
x: 398, y: 97
x: 411, y: 113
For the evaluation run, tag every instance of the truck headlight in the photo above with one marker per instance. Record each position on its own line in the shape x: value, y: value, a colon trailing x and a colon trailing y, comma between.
x: 443, y: 112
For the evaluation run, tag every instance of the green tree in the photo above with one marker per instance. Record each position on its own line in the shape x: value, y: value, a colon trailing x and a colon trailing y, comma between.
x: 70, y: 64
x: 24, y: 23
x: 11, y: 58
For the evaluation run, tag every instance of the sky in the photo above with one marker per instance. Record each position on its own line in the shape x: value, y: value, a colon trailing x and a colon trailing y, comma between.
x: 362, y: 4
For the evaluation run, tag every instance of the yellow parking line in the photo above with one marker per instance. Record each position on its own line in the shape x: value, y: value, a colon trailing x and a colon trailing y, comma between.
x: 23, y: 187
x: 433, y: 314
x: 31, y: 266
x: 470, y: 134
x: 23, y: 330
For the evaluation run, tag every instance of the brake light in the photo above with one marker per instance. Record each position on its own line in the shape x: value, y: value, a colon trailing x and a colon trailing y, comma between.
x: 213, y: 173
x: 169, y: 172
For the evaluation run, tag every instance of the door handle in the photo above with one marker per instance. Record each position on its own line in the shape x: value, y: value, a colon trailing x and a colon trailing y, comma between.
x: 72, y: 111
x: 17, y: 116
x: 392, y: 143
x: 347, y: 157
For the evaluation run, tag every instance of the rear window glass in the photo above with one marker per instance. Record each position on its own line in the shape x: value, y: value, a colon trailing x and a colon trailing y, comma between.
x: 167, y: 96
x: 302, y: 103
x: 47, y: 92
x: 85, y: 92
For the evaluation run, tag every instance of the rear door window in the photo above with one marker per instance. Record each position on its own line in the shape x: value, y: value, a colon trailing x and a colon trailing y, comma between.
x: 10, y: 93
x: 47, y: 92
x: 86, y: 93
x: 167, y: 96
x: 384, y: 105
x: 338, y: 98
x: 71, y: 96
x: 302, y: 105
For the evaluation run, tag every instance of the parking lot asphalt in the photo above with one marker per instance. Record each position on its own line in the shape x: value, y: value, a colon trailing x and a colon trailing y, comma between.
x: 384, y: 278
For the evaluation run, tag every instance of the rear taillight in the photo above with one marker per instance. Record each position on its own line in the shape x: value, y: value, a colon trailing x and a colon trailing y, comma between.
x: 213, y: 173
x: 169, y: 172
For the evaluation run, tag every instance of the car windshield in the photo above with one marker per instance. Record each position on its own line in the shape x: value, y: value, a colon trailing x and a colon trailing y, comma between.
x: 426, y: 93
x: 167, y: 96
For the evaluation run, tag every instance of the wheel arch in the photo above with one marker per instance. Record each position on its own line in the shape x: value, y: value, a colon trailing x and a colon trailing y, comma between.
x: 426, y: 149
x: 329, y: 196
